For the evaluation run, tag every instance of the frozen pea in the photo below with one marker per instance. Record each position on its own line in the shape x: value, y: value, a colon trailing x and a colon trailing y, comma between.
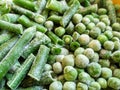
x: 90, y: 17
x: 101, y: 25
x: 90, y: 25
x: 84, y: 39
x: 94, y: 69
x: 70, y: 73
x: 116, y: 73
x: 82, y: 86
x: 78, y: 51
x: 114, y: 39
x: 106, y: 21
x: 116, y: 27
x: 103, y: 16
x: 102, y: 82
x: 109, y: 34
x: 94, y: 86
x: 47, y: 67
x: 81, y: 61
x: 116, y: 56
x: 59, y: 58
x: 69, y: 86
x: 96, y: 20
x: 49, y: 25
x: 108, y: 45
x: 95, y: 58
x: 80, y: 28
x: 114, y: 83
x: 59, y: 31
x: 89, y: 52
x: 77, y: 18
x: 109, y: 28
x: 57, y: 67
x: 84, y: 78
x: 104, y: 62
x: 85, y: 20
x: 56, y: 85
x: 95, y: 45
x: 117, y: 45
x: 106, y: 72
x: 68, y: 60
x: 102, y: 11
x: 102, y: 38
x: 95, y: 32
x: 105, y: 54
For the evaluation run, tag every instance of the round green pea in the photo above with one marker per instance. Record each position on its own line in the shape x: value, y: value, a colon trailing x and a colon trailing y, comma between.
x: 95, y: 32
x: 109, y: 34
x: 102, y: 82
x: 91, y: 25
x: 102, y: 38
x: 105, y: 54
x: 101, y: 25
x: 94, y: 86
x: 78, y: 51
x: 116, y: 56
x: 104, y: 63
x: 116, y: 73
x: 80, y: 28
x: 85, y: 20
x: 95, y: 58
x: 77, y: 18
x: 89, y: 52
x: 82, y: 86
x: 56, y: 85
x: 57, y: 67
x: 108, y: 45
x: 102, y: 11
x: 69, y: 86
x: 106, y: 72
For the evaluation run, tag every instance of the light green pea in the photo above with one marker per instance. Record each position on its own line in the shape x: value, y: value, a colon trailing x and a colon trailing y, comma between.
x: 106, y: 21
x: 89, y: 52
x: 102, y: 11
x: 102, y: 82
x: 114, y: 83
x: 109, y: 28
x: 95, y: 58
x: 85, y: 20
x: 47, y: 67
x: 108, y: 45
x: 117, y: 45
x: 96, y: 20
x: 105, y: 54
x: 70, y: 73
x: 94, y: 86
x: 116, y: 27
x: 116, y: 56
x: 49, y: 25
x: 95, y: 32
x: 84, y: 78
x: 94, y: 69
x: 101, y: 25
x: 81, y: 61
x: 56, y: 85
x: 114, y: 39
x: 59, y: 31
x: 77, y: 18
x: 102, y: 38
x: 103, y: 16
x: 95, y: 45
x: 57, y: 67
x: 116, y: 73
x: 68, y: 60
x: 109, y: 34
x: 78, y: 51
x: 59, y: 58
x: 106, y: 72
x: 82, y: 86
x: 104, y: 62
x: 69, y: 86
x: 80, y: 28
x: 90, y: 25
x: 84, y: 39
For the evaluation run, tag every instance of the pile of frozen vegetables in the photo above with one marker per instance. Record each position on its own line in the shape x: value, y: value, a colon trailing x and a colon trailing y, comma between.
x: 59, y: 45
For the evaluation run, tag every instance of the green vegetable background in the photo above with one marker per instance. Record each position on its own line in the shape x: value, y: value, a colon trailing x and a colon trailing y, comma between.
x: 59, y: 45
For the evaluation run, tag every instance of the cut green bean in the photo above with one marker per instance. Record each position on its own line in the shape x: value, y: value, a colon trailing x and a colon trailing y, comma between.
x: 25, y: 21
x: 35, y: 43
x: 15, y: 81
x: 5, y: 37
x: 69, y: 13
x: 41, y: 5
x: 55, y: 18
x: 74, y: 45
x: 89, y: 9
x: 70, y: 28
x: 26, y: 4
x: 55, y: 38
x: 111, y: 10
x: 67, y: 39
x: 39, y: 63
x: 36, y: 17
x: 10, y: 17
x: 59, y: 31
x: 5, y: 47
x: 16, y: 28
x: 16, y: 51
x: 55, y: 50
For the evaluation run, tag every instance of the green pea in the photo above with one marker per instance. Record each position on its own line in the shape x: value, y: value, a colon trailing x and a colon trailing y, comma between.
x: 85, y: 20
x: 80, y: 28
x: 78, y: 51
x: 69, y: 86
x: 89, y: 52
x: 94, y: 69
x: 105, y: 54
x: 102, y: 82
x: 116, y: 73
x: 91, y: 25
x: 102, y: 38
x: 104, y: 63
x: 82, y: 86
x: 56, y: 85
x: 57, y: 67
x: 108, y: 45
x: 94, y: 86
x: 77, y: 18
x: 81, y: 61
x: 106, y: 72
